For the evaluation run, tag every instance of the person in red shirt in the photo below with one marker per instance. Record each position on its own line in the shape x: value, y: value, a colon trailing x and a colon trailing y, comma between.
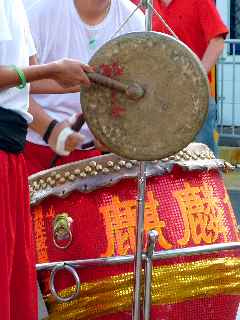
x: 198, y: 24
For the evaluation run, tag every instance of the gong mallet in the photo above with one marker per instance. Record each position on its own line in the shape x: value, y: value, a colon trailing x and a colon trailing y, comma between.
x: 133, y: 91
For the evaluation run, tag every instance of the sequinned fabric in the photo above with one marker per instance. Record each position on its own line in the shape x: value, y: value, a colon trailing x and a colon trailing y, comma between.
x: 186, y: 208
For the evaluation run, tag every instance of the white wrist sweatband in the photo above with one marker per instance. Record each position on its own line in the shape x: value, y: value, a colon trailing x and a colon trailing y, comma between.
x: 61, y: 140
x: 72, y: 119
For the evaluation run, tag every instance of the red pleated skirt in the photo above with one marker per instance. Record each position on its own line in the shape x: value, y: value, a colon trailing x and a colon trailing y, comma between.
x: 18, y: 291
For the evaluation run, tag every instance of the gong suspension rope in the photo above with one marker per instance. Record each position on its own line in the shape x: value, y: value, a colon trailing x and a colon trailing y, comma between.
x: 143, y: 3
x: 163, y: 20
x: 126, y: 20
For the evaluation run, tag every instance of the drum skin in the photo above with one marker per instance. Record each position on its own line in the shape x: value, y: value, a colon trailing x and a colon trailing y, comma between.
x: 187, y: 208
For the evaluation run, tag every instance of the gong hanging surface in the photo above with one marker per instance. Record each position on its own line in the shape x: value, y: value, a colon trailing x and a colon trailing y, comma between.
x: 174, y: 105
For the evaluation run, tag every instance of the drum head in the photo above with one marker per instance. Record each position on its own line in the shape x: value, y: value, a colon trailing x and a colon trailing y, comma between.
x: 173, y: 108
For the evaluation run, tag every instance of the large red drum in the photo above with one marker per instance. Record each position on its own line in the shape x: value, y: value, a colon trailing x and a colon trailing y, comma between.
x: 95, y: 201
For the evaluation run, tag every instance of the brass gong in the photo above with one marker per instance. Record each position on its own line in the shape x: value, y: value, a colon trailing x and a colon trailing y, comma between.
x: 172, y: 109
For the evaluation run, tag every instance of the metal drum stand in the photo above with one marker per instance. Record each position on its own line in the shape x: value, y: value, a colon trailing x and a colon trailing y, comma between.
x: 110, y: 126
x: 138, y: 263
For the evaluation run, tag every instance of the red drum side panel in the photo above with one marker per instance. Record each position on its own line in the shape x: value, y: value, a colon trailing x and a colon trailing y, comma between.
x: 186, y: 208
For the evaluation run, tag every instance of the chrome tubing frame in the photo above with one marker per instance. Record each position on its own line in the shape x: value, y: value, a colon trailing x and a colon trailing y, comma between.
x: 147, y: 257
x: 138, y: 261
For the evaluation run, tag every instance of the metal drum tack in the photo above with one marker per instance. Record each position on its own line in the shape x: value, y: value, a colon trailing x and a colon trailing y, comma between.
x: 173, y: 107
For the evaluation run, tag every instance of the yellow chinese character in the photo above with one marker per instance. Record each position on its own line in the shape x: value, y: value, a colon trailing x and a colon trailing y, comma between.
x: 202, y: 214
x: 152, y: 220
x: 40, y: 235
x: 120, y: 221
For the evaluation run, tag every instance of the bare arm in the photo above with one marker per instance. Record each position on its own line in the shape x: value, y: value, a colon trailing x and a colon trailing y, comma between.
x: 41, y: 119
x: 212, y: 53
x: 9, y: 77
x: 51, y: 86
x: 67, y: 73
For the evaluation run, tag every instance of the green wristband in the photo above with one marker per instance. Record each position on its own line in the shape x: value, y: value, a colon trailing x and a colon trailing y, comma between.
x: 21, y: 77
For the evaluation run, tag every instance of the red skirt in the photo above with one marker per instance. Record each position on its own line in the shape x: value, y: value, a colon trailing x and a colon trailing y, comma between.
x: 18, y: 292
x: 39, y: 157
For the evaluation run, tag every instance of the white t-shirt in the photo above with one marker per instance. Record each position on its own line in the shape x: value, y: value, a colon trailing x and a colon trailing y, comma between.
x: 59, y: 32
x: 16, y: 46
x: 29, y: 3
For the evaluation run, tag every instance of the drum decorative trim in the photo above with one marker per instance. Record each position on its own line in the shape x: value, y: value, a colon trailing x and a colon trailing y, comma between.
x: 171, y: 284
x: 91, y: 174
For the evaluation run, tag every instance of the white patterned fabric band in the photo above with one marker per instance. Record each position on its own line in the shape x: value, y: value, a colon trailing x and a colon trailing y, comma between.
x: 61, y: 140
x: 72, y: 119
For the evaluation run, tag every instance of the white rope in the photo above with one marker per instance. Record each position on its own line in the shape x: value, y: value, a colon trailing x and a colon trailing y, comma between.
x: 154, y: 11
x: 163, y: 22
x: 126, y: 21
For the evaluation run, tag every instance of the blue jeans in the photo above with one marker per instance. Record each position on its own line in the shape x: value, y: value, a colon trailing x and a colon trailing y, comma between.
x: 207, y: 133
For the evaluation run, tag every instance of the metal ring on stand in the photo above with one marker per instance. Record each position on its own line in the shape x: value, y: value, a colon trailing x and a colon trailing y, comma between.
x: 70, y: 269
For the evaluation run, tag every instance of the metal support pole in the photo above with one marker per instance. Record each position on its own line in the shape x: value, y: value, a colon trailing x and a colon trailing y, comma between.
x: 136, y: 312
x: 148, y: 14
x: 152, y: 239
x: 139, y: 243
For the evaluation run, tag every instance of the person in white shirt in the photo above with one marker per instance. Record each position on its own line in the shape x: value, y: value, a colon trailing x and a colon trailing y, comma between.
x: 29, y: 3
x: 73, y: 29
x: 18, y: 292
